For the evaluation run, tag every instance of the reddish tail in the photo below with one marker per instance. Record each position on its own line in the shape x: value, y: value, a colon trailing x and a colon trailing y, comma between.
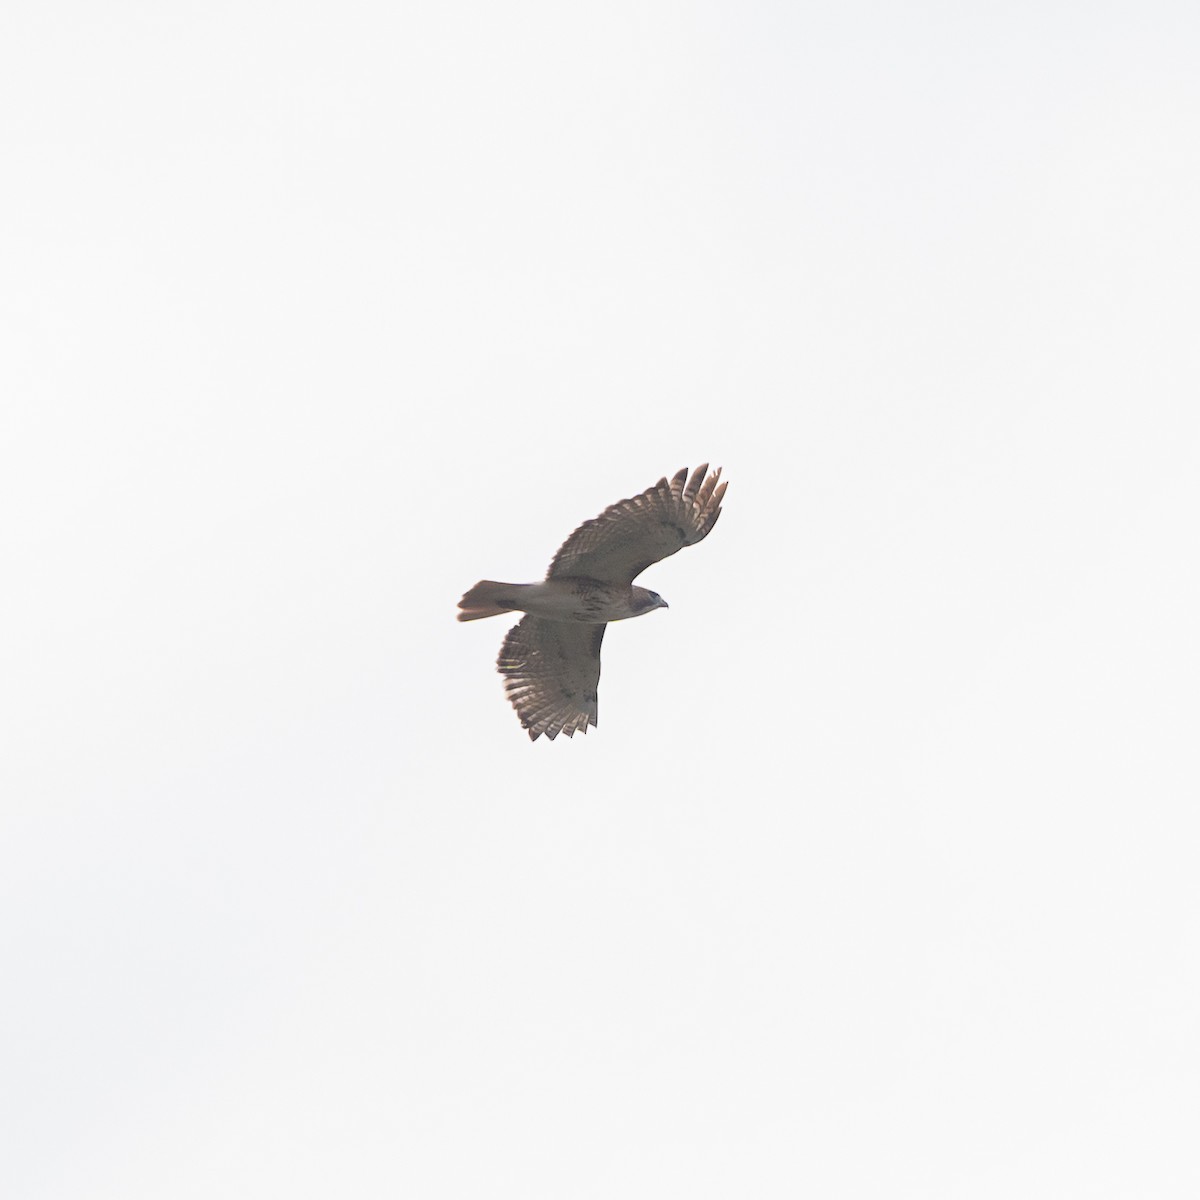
x: 486, y: 599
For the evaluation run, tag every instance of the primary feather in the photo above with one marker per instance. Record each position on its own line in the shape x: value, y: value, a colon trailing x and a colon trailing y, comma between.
x: 627, y: 537
x: 551, y: 673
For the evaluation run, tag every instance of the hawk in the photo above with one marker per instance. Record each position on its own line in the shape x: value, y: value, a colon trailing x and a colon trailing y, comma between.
x: 550, y: 659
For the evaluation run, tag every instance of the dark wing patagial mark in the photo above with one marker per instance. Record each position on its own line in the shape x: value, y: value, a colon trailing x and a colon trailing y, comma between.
x: 629, y: 536
x: 551, y: 673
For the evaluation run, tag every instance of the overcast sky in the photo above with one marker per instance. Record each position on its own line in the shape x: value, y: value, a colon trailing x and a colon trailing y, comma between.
x: 878, y: 877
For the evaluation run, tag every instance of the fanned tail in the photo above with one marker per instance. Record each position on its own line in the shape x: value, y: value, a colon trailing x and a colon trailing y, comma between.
x: 486, y: 599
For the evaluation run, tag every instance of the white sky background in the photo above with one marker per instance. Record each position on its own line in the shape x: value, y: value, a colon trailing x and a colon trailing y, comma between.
x: 878, y: 877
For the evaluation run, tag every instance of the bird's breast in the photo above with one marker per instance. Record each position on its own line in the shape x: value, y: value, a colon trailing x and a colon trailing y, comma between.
x: 579, y: 599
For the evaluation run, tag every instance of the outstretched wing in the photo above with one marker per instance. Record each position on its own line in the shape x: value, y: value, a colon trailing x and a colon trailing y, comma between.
x: 551, y: 671
x: 627, y: 537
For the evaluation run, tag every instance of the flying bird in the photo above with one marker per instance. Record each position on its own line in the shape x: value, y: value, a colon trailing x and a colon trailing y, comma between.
x: 550, y: 659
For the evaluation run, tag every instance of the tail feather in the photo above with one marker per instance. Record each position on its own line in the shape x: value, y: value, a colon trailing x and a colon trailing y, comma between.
x: 486, y: 599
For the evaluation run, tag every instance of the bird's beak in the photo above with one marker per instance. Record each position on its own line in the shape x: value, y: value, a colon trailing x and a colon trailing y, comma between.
x: 662, y: 603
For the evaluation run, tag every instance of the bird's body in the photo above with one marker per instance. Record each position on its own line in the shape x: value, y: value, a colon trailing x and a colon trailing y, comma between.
x: 590, y: 601
x: 551, y: 657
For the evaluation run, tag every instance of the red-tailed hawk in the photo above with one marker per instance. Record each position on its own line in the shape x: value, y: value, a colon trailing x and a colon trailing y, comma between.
x: 550, y: 659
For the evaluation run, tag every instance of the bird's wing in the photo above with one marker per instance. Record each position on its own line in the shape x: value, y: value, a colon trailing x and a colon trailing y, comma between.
x: 627, y: 537
x: 551, y: 671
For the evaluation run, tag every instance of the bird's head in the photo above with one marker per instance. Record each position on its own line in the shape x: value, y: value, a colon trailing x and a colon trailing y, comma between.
x: 646, y: 600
